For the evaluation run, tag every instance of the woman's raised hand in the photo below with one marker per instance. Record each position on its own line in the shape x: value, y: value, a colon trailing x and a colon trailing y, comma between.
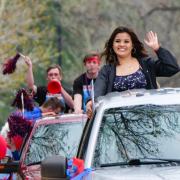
x: 151, y: 40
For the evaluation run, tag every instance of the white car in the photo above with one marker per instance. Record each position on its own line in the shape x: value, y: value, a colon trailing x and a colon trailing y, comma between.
x: 134, y: 135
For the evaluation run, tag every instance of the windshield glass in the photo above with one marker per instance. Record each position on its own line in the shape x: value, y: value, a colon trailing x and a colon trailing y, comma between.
x: 134, y: 132
x: 54, y: 139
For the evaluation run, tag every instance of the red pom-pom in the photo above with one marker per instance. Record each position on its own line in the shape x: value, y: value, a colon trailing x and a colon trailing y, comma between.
x: 10, y: 65
x: 18, y: 125
x: 79, y: 163
x: 17, y: 140
x: 3, y: 147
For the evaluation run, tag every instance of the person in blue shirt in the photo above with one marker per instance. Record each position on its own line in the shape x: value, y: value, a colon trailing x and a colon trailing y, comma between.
x: 25, y: 106
x: 53, y: 106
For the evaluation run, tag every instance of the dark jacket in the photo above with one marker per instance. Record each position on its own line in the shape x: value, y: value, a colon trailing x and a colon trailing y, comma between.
x: 165, y: 66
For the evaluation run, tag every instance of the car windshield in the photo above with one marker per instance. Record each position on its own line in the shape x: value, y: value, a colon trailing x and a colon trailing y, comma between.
x: 54, y: 139
x: 138, y: 132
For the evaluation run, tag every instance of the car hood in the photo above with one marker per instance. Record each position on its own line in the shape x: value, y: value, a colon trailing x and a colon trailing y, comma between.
x: 32, y: 172
x: 143, y: 172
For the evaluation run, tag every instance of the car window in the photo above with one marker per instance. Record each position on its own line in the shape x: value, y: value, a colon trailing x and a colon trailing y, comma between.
x: 54, y: 139
x: 135, y: 132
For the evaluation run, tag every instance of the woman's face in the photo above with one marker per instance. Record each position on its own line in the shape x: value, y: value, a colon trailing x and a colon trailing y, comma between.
x: 122, y: 45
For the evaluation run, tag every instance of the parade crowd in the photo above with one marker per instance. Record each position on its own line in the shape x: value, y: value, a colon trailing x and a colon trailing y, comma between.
x: 127, y: 66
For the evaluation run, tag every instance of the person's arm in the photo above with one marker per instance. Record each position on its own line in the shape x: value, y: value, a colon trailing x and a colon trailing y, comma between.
x: 68, y: 99
x: 30, y: 76
x: 77, y: 92
x: 166, y: 65
x: 78, y: 103
x: 50, y: 113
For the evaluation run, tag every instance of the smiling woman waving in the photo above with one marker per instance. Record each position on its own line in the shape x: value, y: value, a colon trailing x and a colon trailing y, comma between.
x: 128, y: 65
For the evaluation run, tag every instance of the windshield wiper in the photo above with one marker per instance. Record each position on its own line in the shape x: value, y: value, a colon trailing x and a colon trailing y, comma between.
x: 34, y: 163
x: 114, y: 164
x: 160, y: 160
x: 142, y: 161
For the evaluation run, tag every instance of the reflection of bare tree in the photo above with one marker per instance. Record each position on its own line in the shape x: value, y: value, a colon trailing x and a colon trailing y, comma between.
x: 53, y: 139
x: 135, y: 130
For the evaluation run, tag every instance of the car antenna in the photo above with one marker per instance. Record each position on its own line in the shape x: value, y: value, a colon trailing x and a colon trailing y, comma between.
x: 22, y: 100
x: 92, y: 94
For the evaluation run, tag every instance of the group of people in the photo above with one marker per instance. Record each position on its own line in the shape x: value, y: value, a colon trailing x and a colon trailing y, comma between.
x: 81, y: 87
x: 127, y: 66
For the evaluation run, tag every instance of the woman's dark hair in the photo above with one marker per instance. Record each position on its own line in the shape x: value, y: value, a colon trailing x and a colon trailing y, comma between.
x: 138, y: 47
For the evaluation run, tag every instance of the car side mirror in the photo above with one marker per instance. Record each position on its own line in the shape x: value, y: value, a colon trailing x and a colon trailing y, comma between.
x: 54, y: 168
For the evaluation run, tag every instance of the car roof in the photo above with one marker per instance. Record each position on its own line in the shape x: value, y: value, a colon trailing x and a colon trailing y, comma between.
x: 65, y: 118
x: 162, y: 96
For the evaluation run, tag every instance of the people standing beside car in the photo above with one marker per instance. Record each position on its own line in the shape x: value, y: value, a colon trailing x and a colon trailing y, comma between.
x: 22, y: 119
x: 25, y: 106
x: 41, y: 93
x: 51, y: 107
x: 82, y: 85
x: 128, y: 65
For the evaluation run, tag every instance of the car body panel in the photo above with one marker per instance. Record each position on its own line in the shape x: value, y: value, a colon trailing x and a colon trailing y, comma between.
x: 139, y: 96
x: 145, y: 172
x: 32, y: 172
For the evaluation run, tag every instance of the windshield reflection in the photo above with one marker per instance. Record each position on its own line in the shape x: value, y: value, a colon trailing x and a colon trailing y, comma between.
x: 138, y: 132
x: 54, y: 139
